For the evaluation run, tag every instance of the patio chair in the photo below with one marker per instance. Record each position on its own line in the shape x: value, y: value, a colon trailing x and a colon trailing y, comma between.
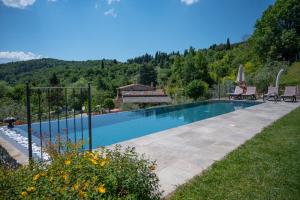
x: 272, y: 93
x: 290, y: 92
x: 237, y: 93
x: 251, y: 92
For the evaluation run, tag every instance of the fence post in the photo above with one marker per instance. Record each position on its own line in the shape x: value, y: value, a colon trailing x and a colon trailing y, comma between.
x: 89, y: 116
x: 219, y: 90
x: 29, y: 122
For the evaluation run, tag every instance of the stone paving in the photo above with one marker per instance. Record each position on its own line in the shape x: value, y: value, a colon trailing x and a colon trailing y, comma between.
x: 186, y: 151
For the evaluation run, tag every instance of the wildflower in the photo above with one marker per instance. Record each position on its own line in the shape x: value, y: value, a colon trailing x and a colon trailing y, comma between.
x: 67, y: 162
x: 65, y: 177
x: 82, y: 194
x: 31, y: 189
x: 36, y: 177
x: 43, y: 174
x: 85, y: 185
x: 94, y: 162
x: 24, y: 194
x: 101, y: 189
x: 75, y: 186
x: 104, y: 162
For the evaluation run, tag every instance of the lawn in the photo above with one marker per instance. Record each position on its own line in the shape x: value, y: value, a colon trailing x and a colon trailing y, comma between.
x: 265, y: 167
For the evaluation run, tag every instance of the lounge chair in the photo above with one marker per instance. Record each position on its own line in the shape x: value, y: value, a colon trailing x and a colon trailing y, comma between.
x: 251, y: 92
x: 237, y: 93
x: 272, y: 93
x: 290, y: 92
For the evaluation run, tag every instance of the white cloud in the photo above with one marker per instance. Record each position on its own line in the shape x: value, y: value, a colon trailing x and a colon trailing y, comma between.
x: 111, y: 12
x: 96, y: 5
x: 18, y: 3
x: 11, y: 56
x: 109, y: 2
x: 189, y: 2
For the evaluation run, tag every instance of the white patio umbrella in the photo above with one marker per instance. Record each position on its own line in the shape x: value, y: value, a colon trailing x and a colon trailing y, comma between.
x: 241, y: 74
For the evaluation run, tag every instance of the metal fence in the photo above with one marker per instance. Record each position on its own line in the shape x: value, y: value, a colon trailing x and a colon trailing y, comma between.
x: 56, y: 115
x: 219, y: 91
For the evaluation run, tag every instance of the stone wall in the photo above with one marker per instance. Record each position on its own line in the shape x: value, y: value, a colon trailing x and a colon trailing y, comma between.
x: 6, y: 160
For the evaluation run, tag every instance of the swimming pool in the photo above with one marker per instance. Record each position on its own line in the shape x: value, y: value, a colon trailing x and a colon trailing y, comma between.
x: 116, y: 127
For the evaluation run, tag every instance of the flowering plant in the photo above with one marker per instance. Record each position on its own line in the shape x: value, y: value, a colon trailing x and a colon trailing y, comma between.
x: 103, y: 174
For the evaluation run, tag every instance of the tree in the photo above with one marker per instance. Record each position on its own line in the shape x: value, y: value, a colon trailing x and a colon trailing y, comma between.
x: 147, y: 75
x: 108, y: 104
x: 54, y: 81
x: 228, y: 45
x: 196, y: 89
x: 4, y: 89
x: 277, y: 33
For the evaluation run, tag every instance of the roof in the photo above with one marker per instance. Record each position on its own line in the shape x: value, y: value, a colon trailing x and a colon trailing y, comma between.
x: 138, y: 99
x: 136, y: 87
x: 143, y: 93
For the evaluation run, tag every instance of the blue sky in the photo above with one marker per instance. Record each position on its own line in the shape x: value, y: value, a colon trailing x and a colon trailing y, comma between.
x: 120, y: 29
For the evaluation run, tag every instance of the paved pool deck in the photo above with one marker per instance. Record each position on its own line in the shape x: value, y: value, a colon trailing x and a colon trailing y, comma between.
x: 184, y: 152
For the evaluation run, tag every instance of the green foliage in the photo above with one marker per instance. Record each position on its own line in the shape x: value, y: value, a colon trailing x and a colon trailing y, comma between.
x: 4, y: 89
x: 292, y: 76
x: 196, y: 89
x: 228, y: 45
x: 103, y: 174
x: 54, y: 81
x: 277, y: 33
x: 147, y: 75
x: 108, y: 104
x: 266, y: 76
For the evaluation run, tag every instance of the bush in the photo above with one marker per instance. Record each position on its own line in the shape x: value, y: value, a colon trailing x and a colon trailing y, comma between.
x: 196, y: 89
x: 106, y: 174
x: 108, y: 104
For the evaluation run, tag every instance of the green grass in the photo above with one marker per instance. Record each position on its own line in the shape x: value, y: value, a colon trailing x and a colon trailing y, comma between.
x: 292, y: 77
x: 265, y: 167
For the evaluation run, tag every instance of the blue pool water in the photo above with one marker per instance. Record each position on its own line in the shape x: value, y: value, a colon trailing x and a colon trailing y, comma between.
x: 112, y: 128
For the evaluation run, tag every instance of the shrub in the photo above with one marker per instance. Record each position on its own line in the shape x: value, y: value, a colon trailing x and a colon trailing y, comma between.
x: 108, y: 104
x: 196, y: 89
x: 105, y: 174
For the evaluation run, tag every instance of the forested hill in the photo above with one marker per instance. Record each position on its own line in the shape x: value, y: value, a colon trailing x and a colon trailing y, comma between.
x: 274, y: 43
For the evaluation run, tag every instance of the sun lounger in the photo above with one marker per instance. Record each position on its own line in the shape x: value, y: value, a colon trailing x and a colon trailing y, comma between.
x: 237, y: 93
x: 289, y: 93
x: 272, y: 93
x: 251, y: 92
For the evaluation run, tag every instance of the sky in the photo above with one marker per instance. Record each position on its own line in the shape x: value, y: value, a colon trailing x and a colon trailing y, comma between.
x: 120, y: 29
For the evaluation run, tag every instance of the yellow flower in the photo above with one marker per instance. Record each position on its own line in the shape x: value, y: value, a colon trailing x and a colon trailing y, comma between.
x: 104, y: 162
x: 86, y: 185
x: 94, y: 162
x: 75, y: 186
x: 24, y: 194
x: 67, y: 162
x: 82, y: 194
x: 44, y: 174
x: 65, y: 177
x: 31, y: 189
x: 36, y: 177
x: 101, y: 189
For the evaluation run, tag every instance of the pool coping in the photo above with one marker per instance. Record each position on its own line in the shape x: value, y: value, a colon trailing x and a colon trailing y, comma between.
x: 186, y: 151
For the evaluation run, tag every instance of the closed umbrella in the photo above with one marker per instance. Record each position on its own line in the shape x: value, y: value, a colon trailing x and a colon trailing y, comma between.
x: 241, y: 75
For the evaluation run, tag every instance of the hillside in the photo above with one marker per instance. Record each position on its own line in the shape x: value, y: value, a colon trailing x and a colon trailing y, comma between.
x: 292, y: 76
